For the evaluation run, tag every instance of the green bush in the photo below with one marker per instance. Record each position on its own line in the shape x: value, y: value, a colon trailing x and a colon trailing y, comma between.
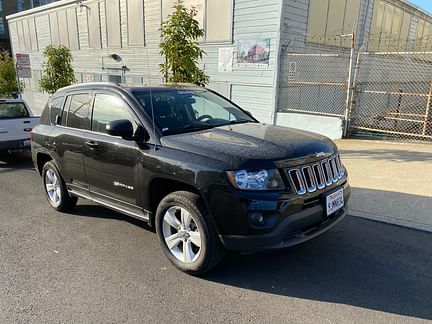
x: 57, y: 70
x: 180, y: 48
x: 8, y: 78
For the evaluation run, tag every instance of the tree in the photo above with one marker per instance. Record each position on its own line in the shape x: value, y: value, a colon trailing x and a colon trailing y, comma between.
x: 8, y: 78
x: 180, y: 48
x: 57, y: 70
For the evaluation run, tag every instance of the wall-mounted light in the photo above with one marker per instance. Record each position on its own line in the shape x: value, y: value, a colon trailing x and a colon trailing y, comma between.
x: 116, y: 57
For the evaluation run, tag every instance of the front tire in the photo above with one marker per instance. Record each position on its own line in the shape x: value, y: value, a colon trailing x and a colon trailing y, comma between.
x: 186, y: 235
x: 55, y: 189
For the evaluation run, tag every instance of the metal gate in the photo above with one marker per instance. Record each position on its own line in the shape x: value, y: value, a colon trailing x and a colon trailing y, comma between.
x: 392, y: 95
x: 315, y: 83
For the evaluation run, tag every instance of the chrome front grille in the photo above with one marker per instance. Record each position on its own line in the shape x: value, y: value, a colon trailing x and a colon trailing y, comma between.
x: 317, y: 176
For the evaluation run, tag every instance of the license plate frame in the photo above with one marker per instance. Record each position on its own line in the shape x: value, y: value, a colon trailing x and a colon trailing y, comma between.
x: 334, y: 201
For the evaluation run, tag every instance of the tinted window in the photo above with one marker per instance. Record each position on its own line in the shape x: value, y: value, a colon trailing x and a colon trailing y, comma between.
x: 56, y: 108
x: 13, y: 110
x: 189, y: 110
x: 79, y: 111
x: 107, y: 108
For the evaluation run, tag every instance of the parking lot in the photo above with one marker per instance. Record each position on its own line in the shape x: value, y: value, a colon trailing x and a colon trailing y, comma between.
x: 95, y: 265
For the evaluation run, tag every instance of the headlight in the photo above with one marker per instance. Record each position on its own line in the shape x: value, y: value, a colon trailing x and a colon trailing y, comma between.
x: 258, y: 180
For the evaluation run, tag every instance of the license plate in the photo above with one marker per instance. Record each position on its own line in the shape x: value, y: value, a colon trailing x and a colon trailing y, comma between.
x: 26, y: 142
x: 334, y: 201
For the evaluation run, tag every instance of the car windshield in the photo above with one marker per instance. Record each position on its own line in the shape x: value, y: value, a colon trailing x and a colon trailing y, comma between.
x: 12, y: 110
x: 179, y: 111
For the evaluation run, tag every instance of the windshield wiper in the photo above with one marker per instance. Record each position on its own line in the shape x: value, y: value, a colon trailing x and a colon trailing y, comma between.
x: 187, y: 128
x: 240, y: 121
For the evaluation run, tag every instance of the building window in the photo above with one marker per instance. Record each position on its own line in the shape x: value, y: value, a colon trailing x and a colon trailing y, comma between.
x: 2, y: 26
x: 33, y: 34
x: 63, y: 28
x: 1, y: 5
x: 214, y: 16
x: 218, y: 23
x: 72, y: 25
x: 20, y: 5
x: 135, y: 21
x: 93, y: 19
x: 422, y: 41
x: 329, y: 19
x: 113, y: 30
x: 390, y: 27
x: 55, y: 36
x: 38, y: 3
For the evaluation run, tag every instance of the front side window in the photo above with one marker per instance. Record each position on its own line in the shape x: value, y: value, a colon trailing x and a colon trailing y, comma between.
x: 178, y: 111
x: 107, y: 108
x: 13, y: 110
x: 78, y: 114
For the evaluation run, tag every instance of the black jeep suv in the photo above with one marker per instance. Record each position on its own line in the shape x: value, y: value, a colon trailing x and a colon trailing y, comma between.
x: 201, y: 170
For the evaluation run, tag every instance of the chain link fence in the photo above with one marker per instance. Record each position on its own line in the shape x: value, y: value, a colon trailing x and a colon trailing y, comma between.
x: 385, y: 94
x: 314, y: 80
x: 392, y: 95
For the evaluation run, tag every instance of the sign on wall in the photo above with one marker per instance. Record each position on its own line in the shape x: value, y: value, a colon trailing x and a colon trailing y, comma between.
x: 225, y: 60
x: 24, y: 71
x: 22, y: 59
x: 23, y: 65
x: 292, y: 71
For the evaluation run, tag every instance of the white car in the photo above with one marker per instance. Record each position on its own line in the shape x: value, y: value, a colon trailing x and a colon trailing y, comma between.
x: 16, y: 124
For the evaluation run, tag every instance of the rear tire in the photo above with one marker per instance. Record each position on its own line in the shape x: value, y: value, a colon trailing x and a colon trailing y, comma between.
x: 55, y: 189
x: 187, y: 237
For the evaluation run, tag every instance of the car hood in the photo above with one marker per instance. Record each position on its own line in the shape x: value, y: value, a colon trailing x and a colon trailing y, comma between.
x: 253, y: 145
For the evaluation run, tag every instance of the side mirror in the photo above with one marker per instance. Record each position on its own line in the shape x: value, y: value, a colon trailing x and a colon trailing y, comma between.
x: 122, y: 128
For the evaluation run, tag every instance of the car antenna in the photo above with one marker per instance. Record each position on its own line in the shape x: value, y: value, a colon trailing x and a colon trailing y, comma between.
x: 151, y: 95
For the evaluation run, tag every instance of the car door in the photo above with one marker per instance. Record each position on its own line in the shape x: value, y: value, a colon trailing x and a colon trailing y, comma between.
x: 111, y: 162
x: 67, y: 140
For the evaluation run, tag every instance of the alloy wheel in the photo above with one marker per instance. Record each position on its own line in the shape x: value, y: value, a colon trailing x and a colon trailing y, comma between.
x: 181, y: 234
x: 52, y: 187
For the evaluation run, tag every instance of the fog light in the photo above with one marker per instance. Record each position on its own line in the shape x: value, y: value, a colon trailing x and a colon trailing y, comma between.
x: 257, y: 219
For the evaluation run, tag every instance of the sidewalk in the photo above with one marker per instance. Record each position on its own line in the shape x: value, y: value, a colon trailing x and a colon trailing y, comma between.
x: 391, y: 182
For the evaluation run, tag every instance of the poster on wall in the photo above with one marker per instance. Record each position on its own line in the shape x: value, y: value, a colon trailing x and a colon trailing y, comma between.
x: 225, y: 59
x: 255, y: 51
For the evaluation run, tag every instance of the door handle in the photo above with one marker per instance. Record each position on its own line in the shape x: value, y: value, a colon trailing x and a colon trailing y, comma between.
x: 91, y: 144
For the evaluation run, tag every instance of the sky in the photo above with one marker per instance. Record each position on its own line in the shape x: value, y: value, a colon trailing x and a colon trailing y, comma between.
x: 424, y: 4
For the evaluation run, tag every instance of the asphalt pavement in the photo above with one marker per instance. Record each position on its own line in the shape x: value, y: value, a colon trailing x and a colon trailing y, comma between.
x: 97, y: 266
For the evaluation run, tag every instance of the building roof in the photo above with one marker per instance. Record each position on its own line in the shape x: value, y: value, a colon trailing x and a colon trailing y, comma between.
x: 81, y: 3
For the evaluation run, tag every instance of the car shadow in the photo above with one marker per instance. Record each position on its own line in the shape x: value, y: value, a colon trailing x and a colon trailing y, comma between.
x: 359, y: 262
x: 16, y: 161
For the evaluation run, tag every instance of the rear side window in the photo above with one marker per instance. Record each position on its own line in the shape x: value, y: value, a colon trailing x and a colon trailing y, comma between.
x: 56, y: 108
x: 13, y: 110
x: 107, y: 108
x: 78, y: 114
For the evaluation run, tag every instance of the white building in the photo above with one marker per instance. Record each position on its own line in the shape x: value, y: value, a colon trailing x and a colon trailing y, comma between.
x: 96, y: 29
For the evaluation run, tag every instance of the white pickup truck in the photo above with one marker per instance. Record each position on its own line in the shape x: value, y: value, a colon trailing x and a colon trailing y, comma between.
x: 16, y: 124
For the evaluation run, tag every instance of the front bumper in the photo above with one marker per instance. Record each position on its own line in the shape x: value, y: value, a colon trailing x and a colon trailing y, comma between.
x: 294, y: 230
x: 291, y: 229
